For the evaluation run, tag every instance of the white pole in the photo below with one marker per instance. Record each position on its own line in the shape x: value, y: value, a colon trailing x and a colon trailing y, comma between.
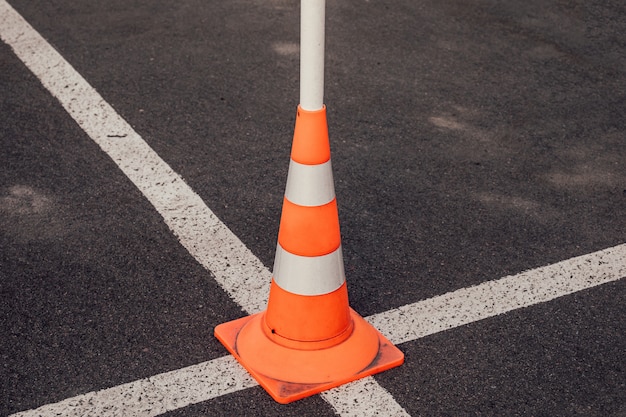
x: 312, y: 16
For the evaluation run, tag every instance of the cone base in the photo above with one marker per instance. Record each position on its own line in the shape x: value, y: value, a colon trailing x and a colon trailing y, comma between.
x: 291, y: 374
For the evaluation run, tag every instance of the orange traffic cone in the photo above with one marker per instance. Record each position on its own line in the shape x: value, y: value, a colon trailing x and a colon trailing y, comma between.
x: 309, y: 339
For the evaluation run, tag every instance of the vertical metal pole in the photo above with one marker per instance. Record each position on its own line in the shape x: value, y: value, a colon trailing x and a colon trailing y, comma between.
x: 312, y: 28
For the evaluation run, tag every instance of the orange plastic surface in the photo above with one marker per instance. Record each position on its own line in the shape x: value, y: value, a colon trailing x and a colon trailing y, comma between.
x: 292, y: 374
x: 309, y: 231
x: 297, y: 320
x: 310, y: 140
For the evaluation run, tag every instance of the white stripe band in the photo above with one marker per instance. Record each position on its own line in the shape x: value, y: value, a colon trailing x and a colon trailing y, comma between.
x: 310, y: 185
x: 309, y: 275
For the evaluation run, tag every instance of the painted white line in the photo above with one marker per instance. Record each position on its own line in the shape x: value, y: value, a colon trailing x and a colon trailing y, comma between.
x: 492, y: 298
x: 363, y: 398
x: 155, y: 395
x: 236, y: 269
x: 241, y: 274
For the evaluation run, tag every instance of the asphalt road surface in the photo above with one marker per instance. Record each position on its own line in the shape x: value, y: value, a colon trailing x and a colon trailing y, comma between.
x: 479, y: 156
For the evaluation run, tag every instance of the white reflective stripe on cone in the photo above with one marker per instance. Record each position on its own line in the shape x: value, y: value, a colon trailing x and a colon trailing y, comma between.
x: 309, y: 275
x: 310, y: 185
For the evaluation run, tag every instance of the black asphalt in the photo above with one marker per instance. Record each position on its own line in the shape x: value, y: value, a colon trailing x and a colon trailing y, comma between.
x: 470, y: 140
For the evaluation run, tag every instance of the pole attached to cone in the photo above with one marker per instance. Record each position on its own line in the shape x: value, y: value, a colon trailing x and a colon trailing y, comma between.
x: 309, y: 339
x: 312, y: 38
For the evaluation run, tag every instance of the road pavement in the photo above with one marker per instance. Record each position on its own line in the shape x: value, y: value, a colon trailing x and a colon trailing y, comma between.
x: 471, y: 141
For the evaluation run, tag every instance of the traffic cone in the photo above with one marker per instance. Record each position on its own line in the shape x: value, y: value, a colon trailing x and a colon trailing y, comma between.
x: 309, y: 339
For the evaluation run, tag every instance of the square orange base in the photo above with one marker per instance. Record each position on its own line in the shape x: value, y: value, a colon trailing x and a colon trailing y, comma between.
x: 285, y: 392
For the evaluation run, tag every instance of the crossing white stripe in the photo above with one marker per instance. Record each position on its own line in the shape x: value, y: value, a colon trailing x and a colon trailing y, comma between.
x: 154, y: 395
x: 491, y: 298
x: 364, y: 397
x: 235, y: 268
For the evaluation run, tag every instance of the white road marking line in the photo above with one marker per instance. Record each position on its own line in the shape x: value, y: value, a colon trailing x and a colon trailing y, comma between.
x: 157, y: 394
x: 364, y: 397
x: 237, y: 270
x: 467, y: 305
x: 241, y: 274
